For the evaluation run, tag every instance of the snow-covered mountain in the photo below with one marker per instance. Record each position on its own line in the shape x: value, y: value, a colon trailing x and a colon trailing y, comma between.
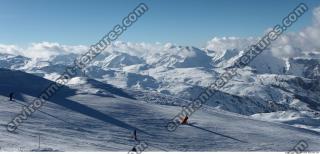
x: 88, y: 115
x: 269, y: 85
x: 12, y: 61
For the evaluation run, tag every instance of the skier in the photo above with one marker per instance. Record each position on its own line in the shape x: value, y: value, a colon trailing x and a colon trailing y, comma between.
x: 135, y: 135
x: 11, y: 96
x: 185, y: 120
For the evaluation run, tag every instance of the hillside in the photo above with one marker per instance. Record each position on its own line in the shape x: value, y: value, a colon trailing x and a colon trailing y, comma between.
x: 115, y: 112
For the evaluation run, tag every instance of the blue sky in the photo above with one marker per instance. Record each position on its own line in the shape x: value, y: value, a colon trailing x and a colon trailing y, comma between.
x: 184, y: 22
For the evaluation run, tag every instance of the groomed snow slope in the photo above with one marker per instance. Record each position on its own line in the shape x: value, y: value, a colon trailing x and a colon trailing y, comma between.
x: 75, y: 131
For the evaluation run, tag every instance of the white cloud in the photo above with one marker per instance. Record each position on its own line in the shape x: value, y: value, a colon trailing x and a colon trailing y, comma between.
x: 10, y: 49
x: 286, y: 51
x: 42, y: 50
x: 288, y: 45
x: 46, y: 49
x: 224, y: 43
x: 307, y: 40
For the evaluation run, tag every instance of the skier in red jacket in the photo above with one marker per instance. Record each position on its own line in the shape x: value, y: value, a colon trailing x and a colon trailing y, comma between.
x: 185, y: 121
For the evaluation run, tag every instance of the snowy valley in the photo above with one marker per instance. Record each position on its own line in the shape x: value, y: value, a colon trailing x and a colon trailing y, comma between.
x: 139, y: 86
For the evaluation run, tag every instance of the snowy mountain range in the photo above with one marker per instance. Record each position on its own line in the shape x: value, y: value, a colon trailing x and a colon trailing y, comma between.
x: 89, y: 115
x: 270, y: 88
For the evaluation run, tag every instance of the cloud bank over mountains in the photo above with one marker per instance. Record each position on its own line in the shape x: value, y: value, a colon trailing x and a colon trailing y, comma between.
x: 307, y: 40
x: 42, y: 50
x: 287, y: 46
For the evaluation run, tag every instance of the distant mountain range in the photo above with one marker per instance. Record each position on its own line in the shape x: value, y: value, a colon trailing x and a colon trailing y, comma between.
x: 271, y: 88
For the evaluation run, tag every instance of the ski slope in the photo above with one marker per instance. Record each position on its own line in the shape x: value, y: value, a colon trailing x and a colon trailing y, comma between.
x: 113, y: 114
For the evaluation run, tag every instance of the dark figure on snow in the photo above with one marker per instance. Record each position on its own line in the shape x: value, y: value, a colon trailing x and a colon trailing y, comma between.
x: 135, y: 135
x: 11, y: 96
x: 185, y: 120
x: 134, y: 149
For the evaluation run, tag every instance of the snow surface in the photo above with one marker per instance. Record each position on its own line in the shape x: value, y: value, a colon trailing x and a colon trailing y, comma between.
x: 89, y: 115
